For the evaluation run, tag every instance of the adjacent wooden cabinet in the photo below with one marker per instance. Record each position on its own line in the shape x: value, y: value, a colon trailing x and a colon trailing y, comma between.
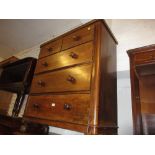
x: 142, y: 73
x: 16, y: 79
x: 6, y: 98
x: 74, y: 86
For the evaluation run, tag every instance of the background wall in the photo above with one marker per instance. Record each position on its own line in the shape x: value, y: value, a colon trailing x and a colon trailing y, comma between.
x: 1, y: 59
x: 130, y: 34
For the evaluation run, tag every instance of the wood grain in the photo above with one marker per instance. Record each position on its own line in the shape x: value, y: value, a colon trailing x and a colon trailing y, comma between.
x: 77, y: 55
x: 50, y: 48
x: 142, y: 76
x: 78, y: 37
x: 53, y: 107
x: 86, y: 64
x: 144, y: 57
x: 60, y: 81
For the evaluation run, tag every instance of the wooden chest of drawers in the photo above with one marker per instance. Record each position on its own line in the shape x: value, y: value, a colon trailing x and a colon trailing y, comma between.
x: 74, y: 86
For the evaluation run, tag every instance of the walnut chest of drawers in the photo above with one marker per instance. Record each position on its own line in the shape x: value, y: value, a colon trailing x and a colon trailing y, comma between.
x: 74, y: 86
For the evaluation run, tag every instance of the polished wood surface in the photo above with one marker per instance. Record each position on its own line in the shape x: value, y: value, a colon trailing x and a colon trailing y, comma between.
x: 51, y: 48
x: 8, y: 61
x: 72, y: 79
x: 86, y: 64
x: 77, y: 55
x: 108, y: 82
x: 142, y: 88
x: 80, y: 36
x: 72, y: 108
x: 147, y: 97
x: 104, y: 93
x: 64, y: 125
x: 145, y: 57
x: 147, y: 100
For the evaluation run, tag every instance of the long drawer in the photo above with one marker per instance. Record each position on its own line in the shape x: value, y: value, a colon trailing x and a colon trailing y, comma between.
x: 72, y: 108
x: 50, y: 48
x: 76, y: 55
x: 78, y: 37
x: 72, y: 79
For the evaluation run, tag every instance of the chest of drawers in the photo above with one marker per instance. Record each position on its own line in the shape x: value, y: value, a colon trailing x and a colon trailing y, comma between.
x: 74, y: 86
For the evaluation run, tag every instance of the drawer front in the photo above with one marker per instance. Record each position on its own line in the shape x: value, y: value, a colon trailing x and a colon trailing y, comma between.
x: 80, y: 36
x: 72, y: 108
x: 76, y: 55
x: 72, y: 79
x: 50, y: 48
x: 144, y: 57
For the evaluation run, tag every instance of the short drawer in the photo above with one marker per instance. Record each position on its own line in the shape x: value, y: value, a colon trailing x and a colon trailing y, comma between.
x: 72, y: 79
x: 73, y: 108
x: 50, y: 48
x: 73, y: 56
x: 144, y: 57
x: 78, y: 37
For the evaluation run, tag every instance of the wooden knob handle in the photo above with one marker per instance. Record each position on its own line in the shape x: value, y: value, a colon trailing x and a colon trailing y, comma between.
x: 41, y: 83
x: 36, y: 106
x: 76, y: 38
x: 73, y: 55
x: 45, y: 64
x: 67, y: 106
x: 71, y: 79
x: 152, y: 56
x: 50, y: 49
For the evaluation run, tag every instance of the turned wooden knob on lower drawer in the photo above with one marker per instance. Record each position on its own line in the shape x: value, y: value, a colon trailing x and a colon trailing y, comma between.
x: 76, y: 38
x: 45, y: 64
x: 73, y: 55
x: 50, y: 49
x: 71, y: 79
x: 67, y: 106
x: 35, y: 106
x: 41, y: 83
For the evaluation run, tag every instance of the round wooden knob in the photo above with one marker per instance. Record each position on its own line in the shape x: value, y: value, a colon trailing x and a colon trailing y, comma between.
x: 41, y: 83
x: 76, y: 38
x: 67, y: 106
x: 50, y: 49
x: 45, y: 64
x: 71, y: 79
x: 36, y: 106
x: 73, y: 55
